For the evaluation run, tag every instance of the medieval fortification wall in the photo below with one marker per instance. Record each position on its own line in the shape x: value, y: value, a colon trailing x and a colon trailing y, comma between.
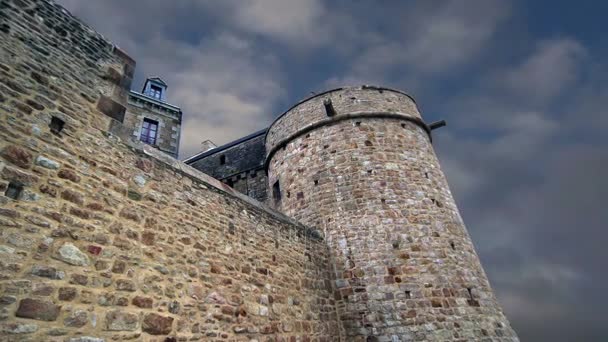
x: 358, y: 164
x: 103, y: 239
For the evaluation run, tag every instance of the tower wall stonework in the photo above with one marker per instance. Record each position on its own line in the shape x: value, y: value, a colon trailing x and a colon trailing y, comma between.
x: 404, y: 265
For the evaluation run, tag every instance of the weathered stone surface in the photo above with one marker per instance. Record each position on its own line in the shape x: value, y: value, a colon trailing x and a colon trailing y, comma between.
x: 47, y: 272
x: 72, y: 196
x: 43, y: 310
x: 121, y: 321
x: 125, y: 285
x: 76, y: 319
x: 111, y: 108
x: 18, y: 328
x: 67, y: 293
x: 142, y: 302
x: 42, y: 289
x: 70, y: 254
x: 47, y: 163
x: 86, y: 339
x: 69, y: 175
x: 144, y: 164
x: 17, y: 155
x: 156, y: 324
x: 15, y: 175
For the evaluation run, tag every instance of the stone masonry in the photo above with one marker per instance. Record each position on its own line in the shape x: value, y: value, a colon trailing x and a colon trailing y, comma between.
x: 239, y: 163
x: 103, y: 238
x: 358, y: 163
x: 169, y: 118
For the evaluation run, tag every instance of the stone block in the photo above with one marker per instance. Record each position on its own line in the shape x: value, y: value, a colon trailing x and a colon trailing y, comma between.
x: 155, y: 324
x: 17, y: 156
x: 70, y: 254
x: 38, y: 309
x: 111, y: 108
x: 76, y: 319
x: 121, y: 321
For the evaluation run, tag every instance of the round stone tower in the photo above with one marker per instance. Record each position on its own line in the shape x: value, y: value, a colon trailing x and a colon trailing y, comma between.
x: 358, y: 164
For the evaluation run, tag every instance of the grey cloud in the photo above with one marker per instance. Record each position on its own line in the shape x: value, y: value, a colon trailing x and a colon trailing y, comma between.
x: 554, y: 66
x: 225, y: 85
x: 431, y: 37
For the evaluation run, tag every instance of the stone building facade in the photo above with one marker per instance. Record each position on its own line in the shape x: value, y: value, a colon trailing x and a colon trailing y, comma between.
x: 239, y: 164
x: 105, y: 238
x: 154, y: 121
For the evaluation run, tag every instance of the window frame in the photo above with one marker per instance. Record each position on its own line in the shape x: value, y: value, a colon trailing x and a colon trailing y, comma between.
x: 155, y: 91
x: 149, y: 131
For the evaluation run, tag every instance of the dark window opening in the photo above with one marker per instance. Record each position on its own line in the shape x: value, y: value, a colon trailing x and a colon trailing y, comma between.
x: 155, y: 91
x: 276, y: 191
x: 230, y: 182
x: 329, y: 107
x: 14, y: 190
x: 288, y: 194
x: 368, y: 143
x: 408, y: 294
x: 358, y: 123
x: 382, y: 200
x: 316, y: 182
x: 369, y: 172
x: 56, y: 125
x: 149, y: 131
x: 308, y: 135
x: 222, y: 159
x: 452, y: 245
x: 253, y: 174
x: 472, y: 301
x: 403, y: 125
x: 426, y: 174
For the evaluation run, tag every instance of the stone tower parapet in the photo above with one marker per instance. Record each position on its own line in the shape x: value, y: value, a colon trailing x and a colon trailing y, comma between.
x: 358, y: 164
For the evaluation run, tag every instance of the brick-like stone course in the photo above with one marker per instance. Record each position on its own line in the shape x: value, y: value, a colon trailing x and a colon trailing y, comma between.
x: 110, y: 240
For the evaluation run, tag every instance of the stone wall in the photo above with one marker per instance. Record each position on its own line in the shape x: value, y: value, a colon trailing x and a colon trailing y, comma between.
x: 405, y: 266
x: 102, y: 240
x: 239, y: 164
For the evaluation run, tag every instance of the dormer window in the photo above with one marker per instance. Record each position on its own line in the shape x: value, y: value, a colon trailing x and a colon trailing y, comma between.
x: 155, y: 88
x: 156, y: 92
x: 149, y: 131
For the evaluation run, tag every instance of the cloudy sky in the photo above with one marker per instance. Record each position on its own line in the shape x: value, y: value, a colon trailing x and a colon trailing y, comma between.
x: 523, y: 86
